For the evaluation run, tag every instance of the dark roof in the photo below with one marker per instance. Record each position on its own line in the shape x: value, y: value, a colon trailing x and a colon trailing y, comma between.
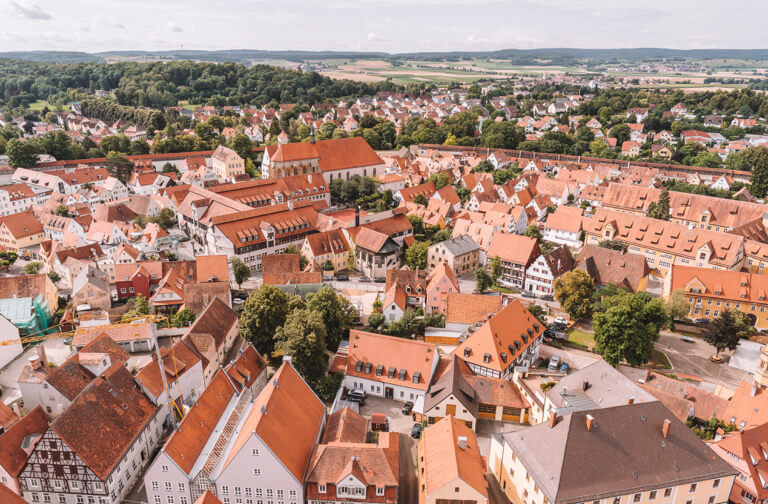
x: 624, y: 453
x: 216, y: 320
x: 559, y: 261
x: 460, y: 245
x: 452, y: 382
x: 607, y: 266
x: 70, y: 379
x: 12, y: 455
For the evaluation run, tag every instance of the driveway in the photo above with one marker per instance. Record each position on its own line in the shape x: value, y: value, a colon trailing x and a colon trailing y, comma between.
x: 409, y: 480
x: 692, y: 358
x: 393, y: 409
x: 495, y: 494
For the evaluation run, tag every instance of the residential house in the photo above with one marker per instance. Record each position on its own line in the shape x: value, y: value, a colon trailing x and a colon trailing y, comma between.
x: 461, y: 254
x: 28, y: 301
x: 450, y: 466
x: 284, y: 269
x: 16, y: 444
x: 10, y: 344
x: 21, y: 233
x: 607, y: 266
x: 630, y: 149
x: 563, y: 226
x: 629, y: 453
x: 441, y: 282
x: 15, y: 198
x: 409, y: 194
x: 508, y: 339
x: 330, y: 250
x: 516, y: 254
x: 744, y: 450
x: 91, y: 291
x: 138, y: 336
x: 212, y: 335
x: 390, y: 367
x: 540, y: 276
x: 226, y: 163
x: 374, y: 252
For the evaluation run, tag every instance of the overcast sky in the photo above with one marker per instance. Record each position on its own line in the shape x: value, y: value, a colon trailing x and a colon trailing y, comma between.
x: 381, y: 25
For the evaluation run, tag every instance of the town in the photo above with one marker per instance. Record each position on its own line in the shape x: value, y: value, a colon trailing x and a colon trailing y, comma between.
x: 277, y: 287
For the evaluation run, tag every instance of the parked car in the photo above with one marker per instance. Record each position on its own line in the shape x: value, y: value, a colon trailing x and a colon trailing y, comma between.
x: 327, y: 278
x: 380, y: 279
x: 343, y: 277
x: 547, y: 297
x: 407, y: 407
x: 416, y: 431
x: 356, y: 395
x: 364, y: 279
x: 702, y: 321
x: 687, y: 339
x: 564, y: 368
x: 554, y: 363
x: 561, y: 320
x: 527, y: 294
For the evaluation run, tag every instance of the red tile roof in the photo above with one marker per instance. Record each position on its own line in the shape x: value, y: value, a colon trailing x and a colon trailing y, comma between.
x: 12, y: 456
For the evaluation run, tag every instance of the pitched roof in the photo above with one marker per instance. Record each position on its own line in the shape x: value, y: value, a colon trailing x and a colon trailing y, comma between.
x: 12, y: 456
x: 471, y: 308
x: 22, y: 224
x: 624, y: 453
x: 705, y: 404
x: 564, y: 220
x: 345, y: 426
x: 287, y: 417
x: 445, y: 461
x: 460, y: 245
x: 452, y: 382
x: 717, y: 284
x: 748, y: 406
x: 750, y: 445
x: 105, y: 419
x: 501, y: 340
x: 513, y: 248
x: 176, y: 361
x: 399, y: 361
x: 327, y: 242
x: 606, y: 266
x: 559, y: 261
x: 216, y: 320
x: 123, y: 332
x: 207, y: 498
x: 336, y: 154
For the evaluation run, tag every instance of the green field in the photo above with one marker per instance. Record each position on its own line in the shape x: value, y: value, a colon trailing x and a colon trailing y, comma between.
x: 40, y: 105
x: 581, y: 338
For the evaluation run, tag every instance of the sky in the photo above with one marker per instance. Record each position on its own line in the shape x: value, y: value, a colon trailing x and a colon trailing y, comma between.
x: 381, y: 25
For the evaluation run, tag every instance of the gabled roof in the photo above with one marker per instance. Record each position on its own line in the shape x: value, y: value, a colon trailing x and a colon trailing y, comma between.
x: 751, y: 446
x: 501, y: 340
x: 345, y: 426
x: 513, y: 248
x: 606, y: 266
x: 471, y: 308
x: 452, y: 382
x: 12, y: 456
x: 336, y: 154
x: 216, y: 320
x: 287, y: 416
x: 444, y: 461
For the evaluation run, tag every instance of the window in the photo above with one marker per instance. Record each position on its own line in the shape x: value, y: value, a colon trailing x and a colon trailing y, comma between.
x: 255, y: 452
x: 321, y: 488
x: 716, y: 483
x: 155, y: 485
x: 168, y: 486
x: 257, y: 472
x: 181, y: 487
x: 667, y: 492
x: 693, y: 487
x: 164, y: 468
x: 292, y: 494
x: 379, y: 491
x: 62, y: 499
x: 170, y: 499
x: 637, y: 497
x: 183, y: 500
x: 652, y: 495
x: 238, y: 491
x: 157, y: 499
x: 225, y: 490
x: 711, y: 499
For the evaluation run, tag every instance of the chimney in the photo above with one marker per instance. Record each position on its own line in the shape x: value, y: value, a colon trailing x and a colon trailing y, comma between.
x: 309, y: 178
x: 630, y: 400
x: 462, y: 442
x: 41, y: 353
x: 290, y: 204
x: 753, y: 393
x: 552, y: 420
x: 590, y: 423
x: 665, y: 428
x: 35, y: 362
x: 357, y: 215
x: 585, y: 386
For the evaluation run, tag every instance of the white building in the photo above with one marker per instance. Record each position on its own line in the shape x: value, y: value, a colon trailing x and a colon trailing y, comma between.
x: 542, y: 273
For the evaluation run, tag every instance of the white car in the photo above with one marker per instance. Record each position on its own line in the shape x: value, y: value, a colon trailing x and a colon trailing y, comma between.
x: 561, y: 320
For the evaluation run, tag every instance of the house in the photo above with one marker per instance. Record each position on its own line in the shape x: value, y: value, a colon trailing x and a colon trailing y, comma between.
x: 450, y: 466
x: 630, y: 149
x: 683, y: 398
x: 508, y: 339
x: 264, y: 192
x: 607, y: 266
x: 563, y: 226
x: 28, y: 302
x: 335, y: 159
x: 138, y: 336
x: 629, y: 453
x: 10, y: 344
x: 441, y: 282
x: 710, y: 292
x: 540, y: 276
x: 21, y: 233
x: 9, y: 497
x: 390, y: 367
x: 461, y: 254
x: 374, y: 252
x: 409, y: 194
x: 15, y: 198
x: 16, y: 442
x: 743, y: 451
x: 480, y: 233
x: 226, y: 163
x: 723, y: 182
x: 212, y: 335
x: 345, y: 467
x: 284, y: 269
x: 98, y: 451
x: 329, y: 249
x: 91, y: 291
x: 516, y: 254
x: 263, y: 452
x: 661, y: 151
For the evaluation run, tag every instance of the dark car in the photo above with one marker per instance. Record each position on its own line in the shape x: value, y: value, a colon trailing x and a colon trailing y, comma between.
x: 702, y: 321
x: 342, y: 277
x: 527, y: 294
x: 416, y: 431
x: 364, y: 279
x: 407, y: 407
x: 547, y: 297
x: 379, y: 279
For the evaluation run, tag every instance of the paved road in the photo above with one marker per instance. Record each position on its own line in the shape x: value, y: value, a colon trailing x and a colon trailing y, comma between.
x: 409, y: 481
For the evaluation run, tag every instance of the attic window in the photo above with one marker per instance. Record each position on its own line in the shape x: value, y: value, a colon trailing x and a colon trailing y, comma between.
x: 525, y: 337
x: 391, y: 372
x: 359, y: 366
x: 511, y: 349
x: 486, y: 358
x: 401, y: 375
x: 379, y: 370
x: 517, y: 344
x: 368, y: 368
x: 536, y: 327
x: 416, y: 377
x: 467, y: 352
x: 503, y: 357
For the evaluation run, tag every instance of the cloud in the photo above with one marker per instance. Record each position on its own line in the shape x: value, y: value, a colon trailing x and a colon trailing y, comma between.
x: 29, y: 10
x: 174, y: 27
x: 375, y: 37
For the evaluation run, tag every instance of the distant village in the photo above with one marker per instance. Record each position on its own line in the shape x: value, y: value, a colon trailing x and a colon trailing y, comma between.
x: 140, y: 360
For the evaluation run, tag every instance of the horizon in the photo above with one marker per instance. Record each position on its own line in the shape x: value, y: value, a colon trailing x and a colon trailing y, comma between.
x: 402, y: 26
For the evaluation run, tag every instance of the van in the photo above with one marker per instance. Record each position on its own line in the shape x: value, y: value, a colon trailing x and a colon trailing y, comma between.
x: 554, y: 363
x: 356, y: 395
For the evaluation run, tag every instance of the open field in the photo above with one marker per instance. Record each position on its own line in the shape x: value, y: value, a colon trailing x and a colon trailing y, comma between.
x: 40, y: 105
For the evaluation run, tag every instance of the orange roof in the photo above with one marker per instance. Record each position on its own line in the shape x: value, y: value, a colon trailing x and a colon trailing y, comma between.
x: 185, y: 444
x: 513, y: 248
x: 501, y: 340
x: 750, y: 445
x: 22, y: 224
x: 471, y: 308
x: 207, y: 498
x: 125, y: 332
x: 746, y: 407
x: 345, y: 426
x: 175, y: 363
x: 12, y: 456
x: 389, y: 359
x: 718, y: 284
x: 337, y: 154
x: 8, y: 497
x: 443, y: 461
x: 563, y: 219
x: 287, y: 417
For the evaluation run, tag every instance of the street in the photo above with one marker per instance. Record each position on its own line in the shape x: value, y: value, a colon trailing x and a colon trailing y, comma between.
x: 692, y: 358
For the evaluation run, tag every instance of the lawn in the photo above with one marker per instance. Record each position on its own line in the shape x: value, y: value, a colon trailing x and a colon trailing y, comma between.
x: 40, y: 105
x: 659, y: 360
x: 581, y: 338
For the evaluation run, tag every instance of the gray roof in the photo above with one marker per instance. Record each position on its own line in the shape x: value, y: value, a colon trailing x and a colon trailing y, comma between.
x: 624, y: 453
x: 452, y: 382
x: 606, y: 387
x: 90, y: 275
x: 460, y: 245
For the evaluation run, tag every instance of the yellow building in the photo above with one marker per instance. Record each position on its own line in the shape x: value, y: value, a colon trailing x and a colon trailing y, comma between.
x: 630, y: 454
x: 328, y: 247
x: 21, y: 233
x: 226, y: 163
x: 665, y: 243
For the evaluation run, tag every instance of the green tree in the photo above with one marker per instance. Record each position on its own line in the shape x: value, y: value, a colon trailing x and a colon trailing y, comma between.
x: 303, y: 338
x: 416, y: 255
x: 440, y: 179
x: 328, y: 386
x: 293, y: 249
x: 263, y: 312
x: 119, y: 167
x: 337, y: 313
x: 757, y: 157
x: 660, y: 209
x: 62, y: 210
x: 538, y: 312
x: 420, y: 199
x: 483, y: 280
x: 33, y: 268
x: 166, y: 219
x: 598, y: 148
x: 725, y: 331
x: 574, y: 291
x: 240, y: 270
x: 139, y: 307
x: 183, y: 318
x: 496, y: 269
x: 533, y: 231
x: 21, y: 154
x: 621, y: 133
x: 376, y: 320
x: 677, y: 306
x: 628, y: 327
x: 55, y: 277
x: 407, y: 326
